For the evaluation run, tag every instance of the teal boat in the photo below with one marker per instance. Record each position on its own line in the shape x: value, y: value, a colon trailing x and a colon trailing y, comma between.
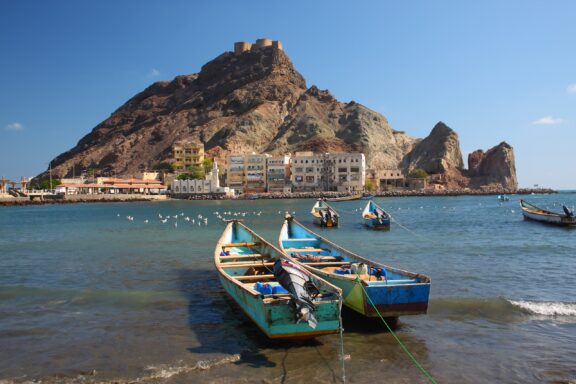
x: 283, y: 299
x: 368, y: 287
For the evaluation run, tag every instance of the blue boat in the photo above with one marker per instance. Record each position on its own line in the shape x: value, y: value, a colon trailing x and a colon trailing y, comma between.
x: 368, y: 287
x: 281, y: 297
x: 375, y: 217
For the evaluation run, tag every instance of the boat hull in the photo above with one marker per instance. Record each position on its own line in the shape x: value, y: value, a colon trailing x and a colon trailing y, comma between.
x: 382, y: 300
x: 377, y: 224
x: 276, y: 318
x: 553, y: 220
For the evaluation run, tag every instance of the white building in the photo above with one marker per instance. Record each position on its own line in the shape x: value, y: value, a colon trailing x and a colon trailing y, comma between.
x: 342, y: 172
x: 210, y: 184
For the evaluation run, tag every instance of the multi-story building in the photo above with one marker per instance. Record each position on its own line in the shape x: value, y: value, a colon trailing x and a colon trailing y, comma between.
x: 247, y: 173
x: 328, y: 172
x: 278, y: 174
x: 307, y: 172
x: 235, y: 172
x: 186, y: 154
x: 255, y: 170
x: 349, y: 172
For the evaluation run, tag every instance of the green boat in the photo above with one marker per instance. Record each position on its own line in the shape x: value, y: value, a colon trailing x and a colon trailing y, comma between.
x: 283, y: 299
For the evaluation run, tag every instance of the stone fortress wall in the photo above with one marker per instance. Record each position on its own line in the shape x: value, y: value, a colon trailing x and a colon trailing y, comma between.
x: 243, y: 46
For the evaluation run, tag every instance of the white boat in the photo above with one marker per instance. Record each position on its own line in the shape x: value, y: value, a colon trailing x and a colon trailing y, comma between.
x: 324, y: 215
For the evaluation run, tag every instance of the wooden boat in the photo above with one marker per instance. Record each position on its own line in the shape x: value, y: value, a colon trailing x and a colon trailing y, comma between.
x: 367, y: 197
x: 344, y: 198
x: 393, y: 292
x: 324, y: 215
x: 375, y: 217
x: 283, y: 299
x: 532, y: 212
x: 503, y: 198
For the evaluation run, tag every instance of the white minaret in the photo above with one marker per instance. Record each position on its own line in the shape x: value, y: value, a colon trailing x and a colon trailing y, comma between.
x: 214, y: 180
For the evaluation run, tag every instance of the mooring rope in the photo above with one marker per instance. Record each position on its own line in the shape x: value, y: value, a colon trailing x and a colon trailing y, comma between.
x: 404, y: 348
x: 342, y: 356
x: 409, y: 230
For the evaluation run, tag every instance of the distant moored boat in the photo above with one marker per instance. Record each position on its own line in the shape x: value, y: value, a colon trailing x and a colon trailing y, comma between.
x: 324, y: 215
x: 532, y: 212
x: 375, y: 217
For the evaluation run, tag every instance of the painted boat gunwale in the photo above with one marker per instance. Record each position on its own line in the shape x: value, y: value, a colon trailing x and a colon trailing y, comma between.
x: 352, y: 255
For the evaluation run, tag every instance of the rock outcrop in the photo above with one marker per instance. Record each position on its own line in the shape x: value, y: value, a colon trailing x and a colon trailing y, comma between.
x: 253, y: 100
x: 439, y: 153
x: 495, y: 168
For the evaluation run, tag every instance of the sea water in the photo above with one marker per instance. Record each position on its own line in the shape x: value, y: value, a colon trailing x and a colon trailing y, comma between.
x: 127, y: 292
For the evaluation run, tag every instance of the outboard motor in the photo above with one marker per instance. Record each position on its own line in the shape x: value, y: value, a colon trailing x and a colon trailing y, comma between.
x: 568, y: 211
x: 301, y: 288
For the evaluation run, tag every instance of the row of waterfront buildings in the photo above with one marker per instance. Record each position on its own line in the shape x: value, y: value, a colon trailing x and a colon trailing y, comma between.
x: 259, y: 173
x: 242, y: 173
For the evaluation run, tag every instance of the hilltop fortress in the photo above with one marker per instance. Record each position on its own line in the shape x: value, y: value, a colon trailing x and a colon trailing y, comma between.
x: 243, y: 46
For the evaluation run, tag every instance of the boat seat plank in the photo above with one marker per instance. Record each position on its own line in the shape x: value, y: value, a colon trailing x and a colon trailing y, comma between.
x: 245, y: 264
x: 304, y: 250
x: 242, y: 244
x: 326, y: 263
x: 247, y: 256
x: 253, y: 277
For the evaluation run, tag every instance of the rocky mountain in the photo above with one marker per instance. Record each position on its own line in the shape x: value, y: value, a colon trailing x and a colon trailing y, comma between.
x: 253, y: 100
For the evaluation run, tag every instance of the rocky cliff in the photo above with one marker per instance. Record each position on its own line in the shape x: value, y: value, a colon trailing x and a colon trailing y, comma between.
x: 495, y: 168
x: 255, y: 100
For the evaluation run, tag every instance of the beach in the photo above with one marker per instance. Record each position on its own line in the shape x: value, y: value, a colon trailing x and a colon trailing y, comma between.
x: 89, y: 296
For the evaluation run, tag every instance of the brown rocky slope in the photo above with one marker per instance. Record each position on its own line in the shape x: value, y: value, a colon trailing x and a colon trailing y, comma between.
x: 256, y: 101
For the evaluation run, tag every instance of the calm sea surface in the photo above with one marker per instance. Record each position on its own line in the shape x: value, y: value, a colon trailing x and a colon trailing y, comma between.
x: 89, y: 296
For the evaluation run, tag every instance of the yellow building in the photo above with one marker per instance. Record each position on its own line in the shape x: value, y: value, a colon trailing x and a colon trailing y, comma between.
x: 187, y: 153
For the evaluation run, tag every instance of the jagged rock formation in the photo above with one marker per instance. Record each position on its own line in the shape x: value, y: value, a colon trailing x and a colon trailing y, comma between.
x: 254, y: 100
x: 439, y: 153
x: 496, y: 167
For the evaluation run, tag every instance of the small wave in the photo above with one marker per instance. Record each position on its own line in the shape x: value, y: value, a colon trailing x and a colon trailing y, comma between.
x: 546, y: 308
x: 157, y: 374
x: 202, y: 365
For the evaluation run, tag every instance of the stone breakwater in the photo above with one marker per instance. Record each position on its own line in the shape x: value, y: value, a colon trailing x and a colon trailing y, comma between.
x: 329, y: 195
x: 105, y: 198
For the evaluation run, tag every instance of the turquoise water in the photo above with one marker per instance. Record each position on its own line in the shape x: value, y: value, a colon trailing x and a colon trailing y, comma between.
x: 87, y: 295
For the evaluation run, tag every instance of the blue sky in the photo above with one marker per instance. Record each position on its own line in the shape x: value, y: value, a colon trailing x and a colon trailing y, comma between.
x: 492, y: 70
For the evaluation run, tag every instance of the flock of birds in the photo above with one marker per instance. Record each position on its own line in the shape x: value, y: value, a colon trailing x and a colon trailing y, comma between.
x: 201, y: 220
